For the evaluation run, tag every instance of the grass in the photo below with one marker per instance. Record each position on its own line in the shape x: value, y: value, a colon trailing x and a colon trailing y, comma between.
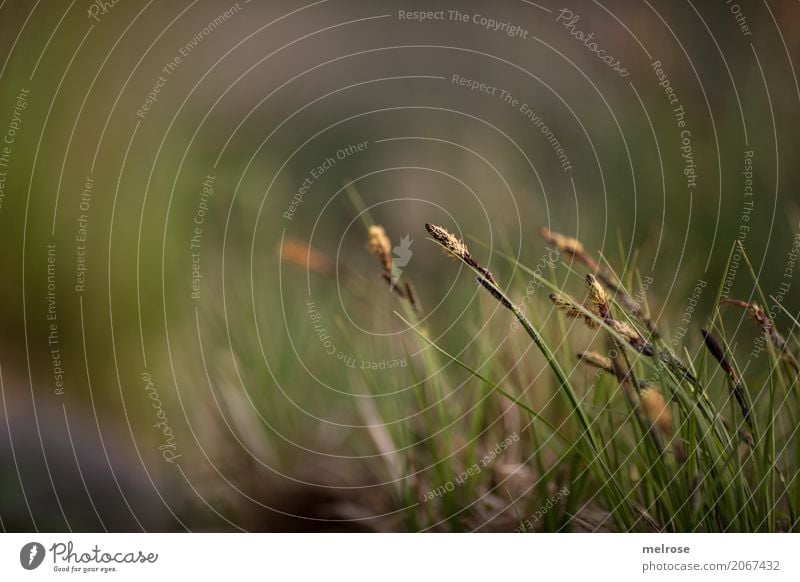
x: 598, y: 403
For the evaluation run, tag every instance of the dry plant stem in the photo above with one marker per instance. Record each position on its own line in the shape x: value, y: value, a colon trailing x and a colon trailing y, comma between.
x: 738, y: 390
x: 647, y: 518
x: 768, y: 328
x: 456, y: 248
x: 744, y: 435
x: 761, y: 319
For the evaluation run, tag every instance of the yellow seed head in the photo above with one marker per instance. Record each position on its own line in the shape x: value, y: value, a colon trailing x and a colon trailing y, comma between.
x: 626, y: 330
x: 657, y: 410
x: 566, y: 304
x: 449, y: 242
x: 378, y: 241
x: 380, y: 245
x: 596, y: 360
x: 300, y: 254
x: 562, y: 243
x: 571, y: 308
x: 597, y: 294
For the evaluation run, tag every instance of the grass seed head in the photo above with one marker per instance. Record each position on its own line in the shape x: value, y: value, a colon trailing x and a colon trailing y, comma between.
x: 451, y: 244
x: 598, y: 295
x: 572, y: 309
x: 563, y: 243
x: 657, y: 410
x: 300, y: 254
x: 596, y: 360
x: 455, y: 247
x: 631, y: 336
x: 719, y: 354
x: 380, y: 246
x: 762, y: 319
x: 626, y: 330
x: 738, y: 390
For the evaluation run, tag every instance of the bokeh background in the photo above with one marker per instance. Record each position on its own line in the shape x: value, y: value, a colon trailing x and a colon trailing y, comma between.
x: 160, y: 366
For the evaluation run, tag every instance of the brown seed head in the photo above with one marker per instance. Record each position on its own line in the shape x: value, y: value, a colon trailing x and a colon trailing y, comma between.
x: 572, y: 308
x: 754, y: 309
x: 449, y: 242
x: 738, y: 390
x: 762, y: 319
x: 657, y: 410
x: 300, y: 254
x: 380, y: 246
x: 566, y: 304
x: 455, y: 247
x: 719, y: 354
x: 626, y: 330
x: 596, y: 360
x: 630, y: 335
x: 562, y: 243
x: 597, y: 295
